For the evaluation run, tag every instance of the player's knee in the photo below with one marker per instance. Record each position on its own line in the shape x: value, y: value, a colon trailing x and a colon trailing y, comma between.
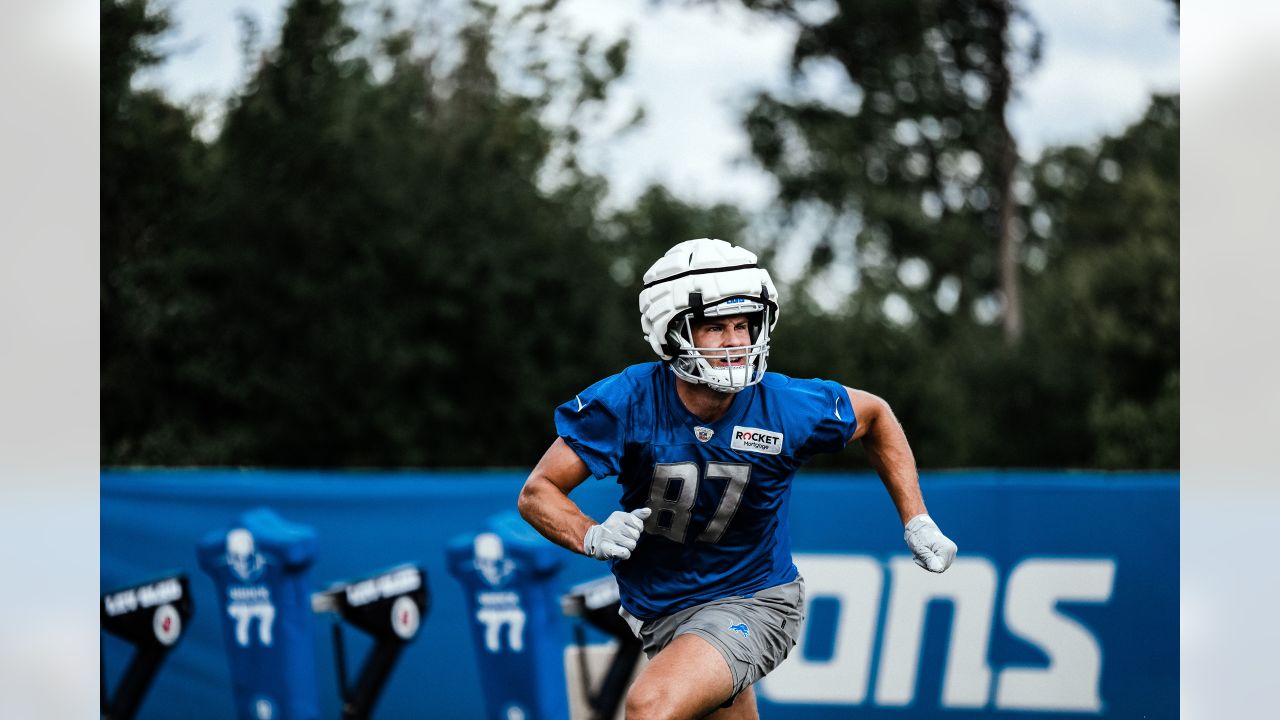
x: 645, y: 702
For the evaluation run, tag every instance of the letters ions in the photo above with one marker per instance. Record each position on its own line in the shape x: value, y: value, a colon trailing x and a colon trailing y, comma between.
x: 1069, y: 682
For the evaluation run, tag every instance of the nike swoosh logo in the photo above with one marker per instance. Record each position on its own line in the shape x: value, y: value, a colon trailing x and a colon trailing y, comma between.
x: 838, y: 410
x: 575, y: 397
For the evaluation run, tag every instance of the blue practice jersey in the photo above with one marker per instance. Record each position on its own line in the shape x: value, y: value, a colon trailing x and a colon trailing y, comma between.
x: 719, y: 491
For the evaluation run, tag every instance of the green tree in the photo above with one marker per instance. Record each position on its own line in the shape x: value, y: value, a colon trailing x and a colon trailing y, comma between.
x: 388, y: 256
x: 922, y: 163
x: 373, y: 254
x: 151, y: 166
x: 920, y: 171
x: 640, y: 235
x: 1094, y: 382
x: 1107, y: 217
x: 393, y: 258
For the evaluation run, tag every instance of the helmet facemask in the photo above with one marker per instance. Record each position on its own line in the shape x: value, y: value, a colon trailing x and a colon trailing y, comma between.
x: 724, y: 369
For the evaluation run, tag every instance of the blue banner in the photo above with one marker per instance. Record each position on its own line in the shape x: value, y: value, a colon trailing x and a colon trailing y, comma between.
x: 1063, y: 601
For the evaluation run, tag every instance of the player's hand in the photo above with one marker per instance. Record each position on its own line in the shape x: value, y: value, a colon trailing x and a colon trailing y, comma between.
x: 933, y: 551
x: 617, y: 536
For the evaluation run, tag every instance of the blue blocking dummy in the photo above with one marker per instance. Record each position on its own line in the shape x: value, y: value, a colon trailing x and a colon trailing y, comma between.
x: 514, y: 617
x: 260, y: 568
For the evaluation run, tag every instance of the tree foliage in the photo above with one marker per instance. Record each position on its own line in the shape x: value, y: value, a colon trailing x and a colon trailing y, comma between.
x: 916, y: 181
x: 921, y: 161
x: 1095, y: 381
x: 389, y: 255
x: 1109, y: 220
x: 151, y: 169
x: 369, y: 273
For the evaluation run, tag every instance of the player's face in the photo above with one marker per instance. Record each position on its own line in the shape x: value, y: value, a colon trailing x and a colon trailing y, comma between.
x: 730, y: 331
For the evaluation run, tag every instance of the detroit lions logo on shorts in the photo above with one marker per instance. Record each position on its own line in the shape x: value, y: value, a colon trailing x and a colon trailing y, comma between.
x: 742, y: 628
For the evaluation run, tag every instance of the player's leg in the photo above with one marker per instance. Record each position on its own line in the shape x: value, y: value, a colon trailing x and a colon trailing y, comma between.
x: 702, y: 655
x: 689, y: 678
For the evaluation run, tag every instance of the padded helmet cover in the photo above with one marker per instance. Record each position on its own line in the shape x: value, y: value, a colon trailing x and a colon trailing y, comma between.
x: 705, y: 278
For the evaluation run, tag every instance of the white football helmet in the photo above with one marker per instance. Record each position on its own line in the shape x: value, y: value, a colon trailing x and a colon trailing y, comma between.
x: 707, y: 278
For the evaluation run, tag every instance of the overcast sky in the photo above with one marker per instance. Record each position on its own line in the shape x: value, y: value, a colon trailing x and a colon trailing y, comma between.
x: 694, y: 69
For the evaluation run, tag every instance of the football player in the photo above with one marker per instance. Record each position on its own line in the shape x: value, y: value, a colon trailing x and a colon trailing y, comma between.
x: 705, y: 444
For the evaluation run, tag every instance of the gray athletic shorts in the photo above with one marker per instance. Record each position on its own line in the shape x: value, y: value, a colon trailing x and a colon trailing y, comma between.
x: 754, y: 634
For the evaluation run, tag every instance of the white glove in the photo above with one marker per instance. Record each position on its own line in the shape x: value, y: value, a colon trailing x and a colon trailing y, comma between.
x: 617, y: 537
x: 933, y: 551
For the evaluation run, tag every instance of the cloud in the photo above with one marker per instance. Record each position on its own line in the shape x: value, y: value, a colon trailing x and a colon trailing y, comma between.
x: 1079, y: 96
x: 692, y: 69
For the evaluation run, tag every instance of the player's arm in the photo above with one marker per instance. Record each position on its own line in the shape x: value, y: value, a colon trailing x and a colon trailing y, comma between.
x: 544, y: 500
x: 890, y: 454
x: 544, y: 503
x: 888, y: 451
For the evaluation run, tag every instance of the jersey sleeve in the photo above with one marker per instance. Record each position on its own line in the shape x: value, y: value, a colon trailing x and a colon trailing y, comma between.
x: 594, y: 424
x: 832, y: 416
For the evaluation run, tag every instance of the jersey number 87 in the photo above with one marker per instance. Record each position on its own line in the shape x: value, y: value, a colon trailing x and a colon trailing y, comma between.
x: 673, y: 505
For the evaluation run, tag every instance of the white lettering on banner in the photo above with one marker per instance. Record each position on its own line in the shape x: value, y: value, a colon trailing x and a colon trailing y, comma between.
x: 499, y: 609
x: 1071, y: 680
x: 1069, y: 683
x: 249, y: 604
x: 855, y: 582
x: 970, y: 585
